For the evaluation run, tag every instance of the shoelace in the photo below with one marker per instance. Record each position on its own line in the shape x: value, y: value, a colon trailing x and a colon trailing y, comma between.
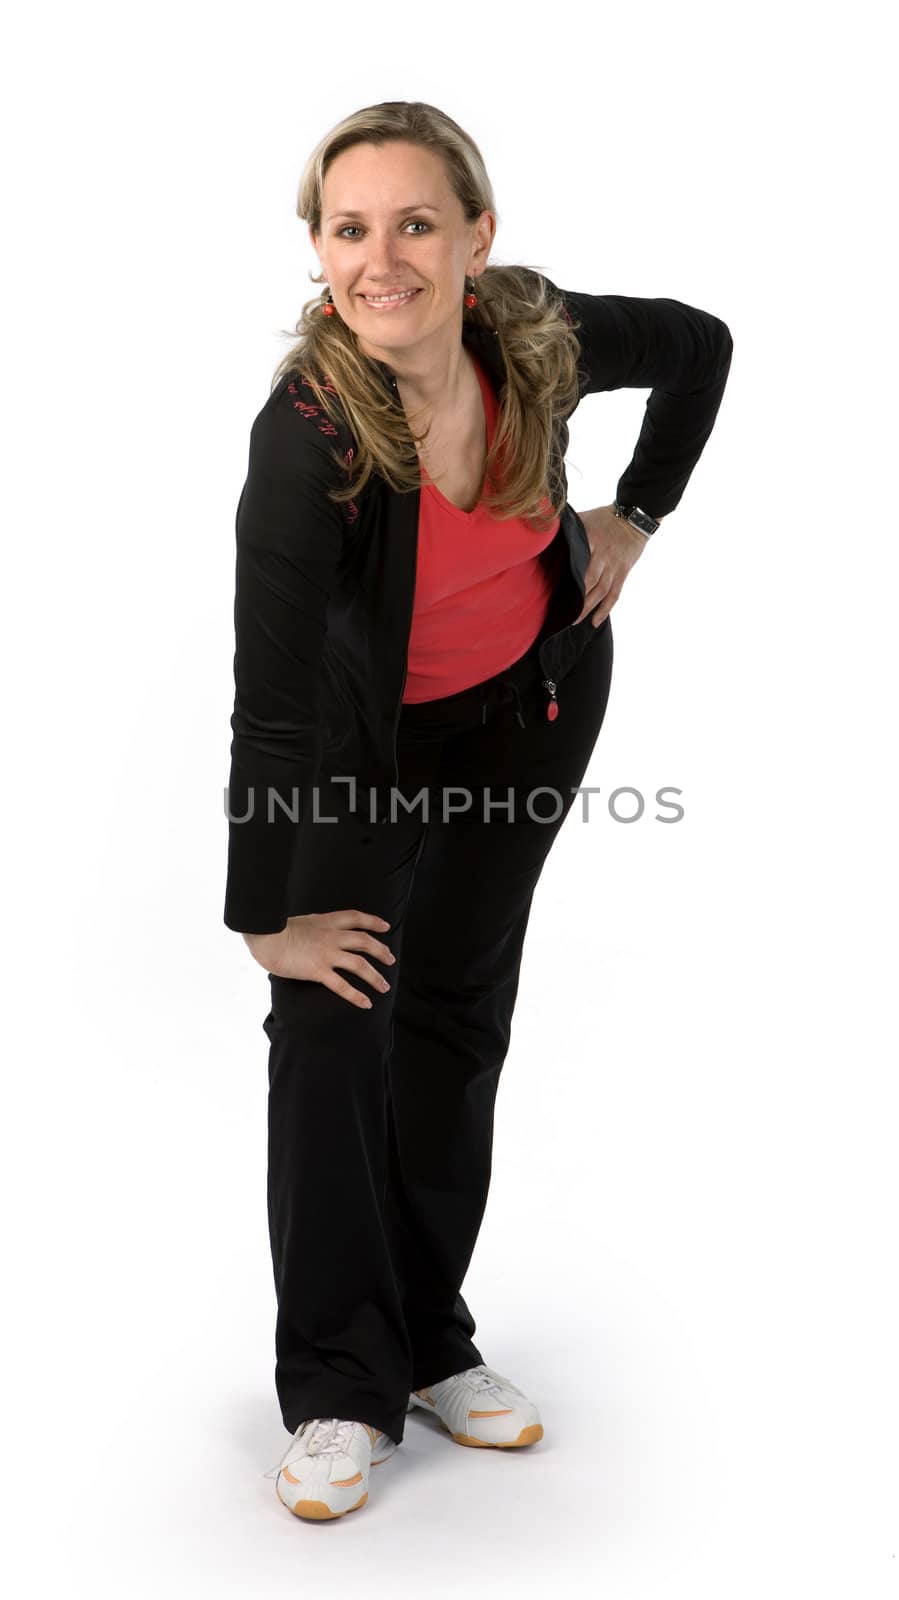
x: 329, y: 1436
x: 483, y: 1378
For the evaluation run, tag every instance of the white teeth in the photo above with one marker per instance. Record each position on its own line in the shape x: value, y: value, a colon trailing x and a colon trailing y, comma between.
x: 384, y: 299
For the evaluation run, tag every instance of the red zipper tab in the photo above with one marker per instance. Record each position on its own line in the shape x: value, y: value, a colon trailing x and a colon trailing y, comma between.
x: 552, y: 709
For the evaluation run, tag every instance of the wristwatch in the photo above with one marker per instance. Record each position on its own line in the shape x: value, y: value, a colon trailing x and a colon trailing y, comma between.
x: 638, y: 518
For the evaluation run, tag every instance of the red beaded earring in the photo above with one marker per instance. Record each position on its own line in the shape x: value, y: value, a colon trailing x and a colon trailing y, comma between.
x: 329, y: 307
x: 471, y: 298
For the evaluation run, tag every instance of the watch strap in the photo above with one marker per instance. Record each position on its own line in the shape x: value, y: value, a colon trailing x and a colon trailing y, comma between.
x: 637, y: 518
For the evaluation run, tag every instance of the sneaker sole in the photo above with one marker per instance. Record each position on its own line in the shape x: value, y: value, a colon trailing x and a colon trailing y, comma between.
x: 528, y: 1435
x: 319, y: 1510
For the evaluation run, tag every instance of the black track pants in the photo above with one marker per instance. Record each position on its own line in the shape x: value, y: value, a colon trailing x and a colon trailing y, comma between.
x: 380, y: 1122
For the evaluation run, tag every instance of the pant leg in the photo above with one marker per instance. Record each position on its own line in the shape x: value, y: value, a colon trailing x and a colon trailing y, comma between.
x: 464, y: 934
x: 341, y: 1344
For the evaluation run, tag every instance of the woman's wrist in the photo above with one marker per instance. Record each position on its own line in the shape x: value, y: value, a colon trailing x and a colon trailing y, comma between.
x: 262, y: 945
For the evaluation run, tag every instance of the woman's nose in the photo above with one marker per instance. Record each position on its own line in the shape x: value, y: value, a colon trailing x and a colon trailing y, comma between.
x: 382, y: 255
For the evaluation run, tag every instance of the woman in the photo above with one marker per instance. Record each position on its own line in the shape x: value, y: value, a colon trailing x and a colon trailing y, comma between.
x: 423, y: 660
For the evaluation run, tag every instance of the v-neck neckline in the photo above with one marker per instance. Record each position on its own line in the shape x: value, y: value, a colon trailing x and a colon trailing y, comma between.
x: 449, y: 505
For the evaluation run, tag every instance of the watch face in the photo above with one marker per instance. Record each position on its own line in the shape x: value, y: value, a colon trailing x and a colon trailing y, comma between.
x: 642, y: 520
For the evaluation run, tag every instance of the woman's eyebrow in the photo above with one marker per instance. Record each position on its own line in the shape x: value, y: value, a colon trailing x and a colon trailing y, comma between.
x: 419, y: 205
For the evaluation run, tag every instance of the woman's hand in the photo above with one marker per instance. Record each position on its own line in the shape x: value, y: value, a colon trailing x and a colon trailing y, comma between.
x: 313, y: 946
x: 614, y: 547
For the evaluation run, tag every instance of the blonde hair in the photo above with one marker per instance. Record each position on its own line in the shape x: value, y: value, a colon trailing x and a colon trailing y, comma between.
x: 535, y: 334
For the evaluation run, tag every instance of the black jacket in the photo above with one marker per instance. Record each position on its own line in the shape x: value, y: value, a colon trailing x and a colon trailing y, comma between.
x: 324, y: 593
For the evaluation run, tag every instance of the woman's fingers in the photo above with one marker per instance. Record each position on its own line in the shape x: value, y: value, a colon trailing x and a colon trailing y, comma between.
x: 346, y: 991
x: 359, y: 919
x: 362, y: 968
x: 324, y: 941
x: 355, y: 923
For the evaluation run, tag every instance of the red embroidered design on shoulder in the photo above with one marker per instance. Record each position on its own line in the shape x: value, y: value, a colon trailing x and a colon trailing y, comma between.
x: 308, y: 408
x: 313, y: 411
x: 350, y: 509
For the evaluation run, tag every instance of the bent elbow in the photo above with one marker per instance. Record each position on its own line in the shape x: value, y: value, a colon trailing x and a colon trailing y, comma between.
x: 725, y: 346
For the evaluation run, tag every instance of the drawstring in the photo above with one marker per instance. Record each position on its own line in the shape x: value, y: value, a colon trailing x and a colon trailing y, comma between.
x: 514, y: 687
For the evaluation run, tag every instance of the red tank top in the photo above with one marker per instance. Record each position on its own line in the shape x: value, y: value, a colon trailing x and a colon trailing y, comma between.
x: 481, y: 589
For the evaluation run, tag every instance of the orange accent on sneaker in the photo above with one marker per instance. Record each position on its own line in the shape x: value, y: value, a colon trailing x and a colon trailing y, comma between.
x: 528, y: 1435
x: 317, y: 1511
x: 506, y: 1413
x: 345, y: 1483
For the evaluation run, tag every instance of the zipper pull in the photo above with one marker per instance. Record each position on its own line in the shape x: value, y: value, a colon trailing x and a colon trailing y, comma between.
x: 552, y: 709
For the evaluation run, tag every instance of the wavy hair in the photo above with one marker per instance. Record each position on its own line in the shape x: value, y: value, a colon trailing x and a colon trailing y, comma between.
x: 536, y: 335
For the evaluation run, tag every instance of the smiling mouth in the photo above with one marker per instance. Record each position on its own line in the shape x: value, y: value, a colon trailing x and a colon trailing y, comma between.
x: 398, y: 297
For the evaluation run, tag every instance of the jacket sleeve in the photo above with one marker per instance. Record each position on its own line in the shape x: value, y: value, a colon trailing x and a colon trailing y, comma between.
x: 288, y: 546
x: 679, y: 352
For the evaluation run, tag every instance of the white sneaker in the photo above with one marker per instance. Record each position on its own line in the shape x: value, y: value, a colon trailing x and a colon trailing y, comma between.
x: 324, y: 1470
x: 481, y: 1407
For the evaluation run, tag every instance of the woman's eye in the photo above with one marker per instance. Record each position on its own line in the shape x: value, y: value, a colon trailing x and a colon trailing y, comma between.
x: 415, y: 223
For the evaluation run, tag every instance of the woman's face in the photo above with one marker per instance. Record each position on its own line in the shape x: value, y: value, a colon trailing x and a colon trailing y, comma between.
x: 407, y: 232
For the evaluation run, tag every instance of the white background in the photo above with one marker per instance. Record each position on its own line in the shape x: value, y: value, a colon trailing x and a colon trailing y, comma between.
x: 689, y: 1254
